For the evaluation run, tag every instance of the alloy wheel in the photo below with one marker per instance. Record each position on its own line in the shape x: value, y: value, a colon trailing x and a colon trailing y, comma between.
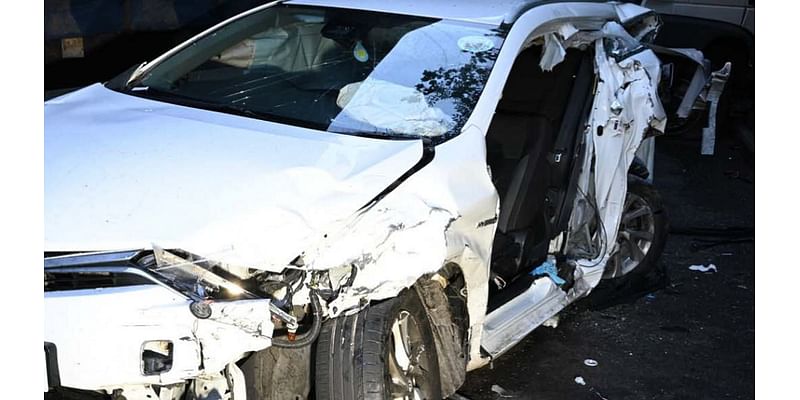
x: 635, y: 237
x: 408, y: 361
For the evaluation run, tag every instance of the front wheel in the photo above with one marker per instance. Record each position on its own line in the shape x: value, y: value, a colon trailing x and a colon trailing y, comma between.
x: 385, y: 351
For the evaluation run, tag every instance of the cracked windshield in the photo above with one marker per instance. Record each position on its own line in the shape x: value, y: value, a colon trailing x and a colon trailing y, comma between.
x: 344, y: 71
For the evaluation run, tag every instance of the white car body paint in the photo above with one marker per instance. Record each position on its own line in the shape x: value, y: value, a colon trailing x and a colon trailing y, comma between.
x: 104, y: 350
x: 242, y: 191
x: 256, y: 194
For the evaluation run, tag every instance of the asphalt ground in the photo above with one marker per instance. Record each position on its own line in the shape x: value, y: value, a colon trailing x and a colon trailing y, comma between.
x: 679, y: 334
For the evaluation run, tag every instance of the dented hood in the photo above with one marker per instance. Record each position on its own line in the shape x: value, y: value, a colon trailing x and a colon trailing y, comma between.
x: 127, y: 172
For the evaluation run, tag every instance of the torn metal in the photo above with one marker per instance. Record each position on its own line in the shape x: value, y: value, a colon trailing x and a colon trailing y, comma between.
x: 626, y: 109
x: 703, y: 93
x: 713, y: 94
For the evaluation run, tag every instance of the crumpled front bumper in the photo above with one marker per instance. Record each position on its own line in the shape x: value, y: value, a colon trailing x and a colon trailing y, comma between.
x: 105, y: 337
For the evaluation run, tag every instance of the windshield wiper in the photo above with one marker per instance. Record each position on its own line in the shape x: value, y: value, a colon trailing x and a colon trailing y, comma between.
x: 181, y: 99
x: 380, y: 134
x: 229, y: 108
x: 150, y: 92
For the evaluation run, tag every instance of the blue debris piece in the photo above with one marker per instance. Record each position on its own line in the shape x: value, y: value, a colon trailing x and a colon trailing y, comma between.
x: 549, y: 268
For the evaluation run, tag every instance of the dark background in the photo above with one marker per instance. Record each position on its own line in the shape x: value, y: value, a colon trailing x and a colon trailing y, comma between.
x: 118, y: 34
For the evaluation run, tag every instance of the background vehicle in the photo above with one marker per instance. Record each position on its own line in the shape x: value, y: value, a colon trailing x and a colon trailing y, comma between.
x: 412, y: 190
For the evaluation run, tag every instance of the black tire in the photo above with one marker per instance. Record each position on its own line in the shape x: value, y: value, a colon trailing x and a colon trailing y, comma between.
x: 643, y: 190
x: 353, y: 352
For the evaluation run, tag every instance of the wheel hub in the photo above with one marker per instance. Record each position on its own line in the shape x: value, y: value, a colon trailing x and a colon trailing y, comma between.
x: 406, y: 360
x: 635, y: 237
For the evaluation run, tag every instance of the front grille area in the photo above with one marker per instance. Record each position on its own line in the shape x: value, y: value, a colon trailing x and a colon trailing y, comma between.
x: 57, y: 281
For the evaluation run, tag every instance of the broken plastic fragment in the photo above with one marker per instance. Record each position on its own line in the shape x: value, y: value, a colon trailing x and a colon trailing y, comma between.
x: 703, y: 268
x: 551, y: 322
x: 579, y: 380
x: 190, y: 272
x: 589, y: 362
x: 549, y: 268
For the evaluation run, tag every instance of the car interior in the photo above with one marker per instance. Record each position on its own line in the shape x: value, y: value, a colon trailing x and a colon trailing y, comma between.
x: 303, y: 68
x: 296, y: 67
x: 534, y: 148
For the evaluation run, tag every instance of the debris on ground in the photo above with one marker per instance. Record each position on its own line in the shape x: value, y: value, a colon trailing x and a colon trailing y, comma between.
x: 703, y: 268
x: 595, y: 391
x: 579, y: 380
x: 589, y: 362
x: 551, y: 322
x: 501, y: 392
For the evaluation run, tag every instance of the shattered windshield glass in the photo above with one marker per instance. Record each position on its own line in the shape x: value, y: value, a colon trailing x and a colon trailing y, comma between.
x: 345, y: 71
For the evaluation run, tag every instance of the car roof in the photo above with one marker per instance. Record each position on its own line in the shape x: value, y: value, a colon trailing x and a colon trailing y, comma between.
x: 494, y: 12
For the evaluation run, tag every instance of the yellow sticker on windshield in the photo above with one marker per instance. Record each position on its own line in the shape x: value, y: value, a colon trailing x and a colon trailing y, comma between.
x: 360, y: 53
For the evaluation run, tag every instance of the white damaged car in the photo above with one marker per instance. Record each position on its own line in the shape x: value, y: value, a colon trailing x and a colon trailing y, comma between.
x: 362, y: 199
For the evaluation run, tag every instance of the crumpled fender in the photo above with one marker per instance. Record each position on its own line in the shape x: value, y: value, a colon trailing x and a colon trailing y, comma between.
x: 444, y: 213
